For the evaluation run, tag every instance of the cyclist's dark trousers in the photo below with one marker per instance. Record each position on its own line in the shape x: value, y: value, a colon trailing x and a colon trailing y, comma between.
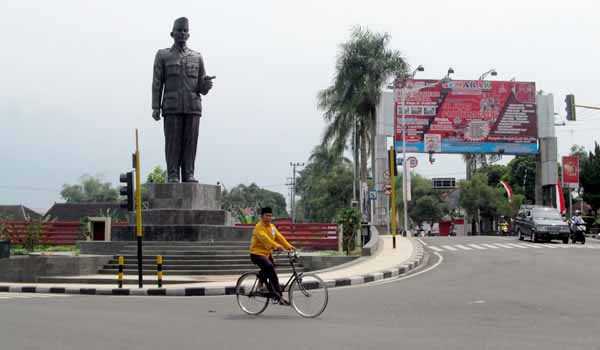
x: 267, y: 270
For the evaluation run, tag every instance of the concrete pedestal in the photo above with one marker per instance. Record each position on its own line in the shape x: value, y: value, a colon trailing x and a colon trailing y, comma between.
x: 183, y: 212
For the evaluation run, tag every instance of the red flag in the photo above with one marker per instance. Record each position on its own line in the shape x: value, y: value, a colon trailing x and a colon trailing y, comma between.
x: 560, y: 199
x: 508, y: 189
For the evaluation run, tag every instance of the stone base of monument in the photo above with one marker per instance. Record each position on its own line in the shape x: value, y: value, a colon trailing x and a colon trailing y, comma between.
x: 185, y: 224
x: 183, y: 212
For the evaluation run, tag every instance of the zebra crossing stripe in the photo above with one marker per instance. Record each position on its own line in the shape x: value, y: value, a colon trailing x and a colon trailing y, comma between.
x: 463, y: 247
x: 489, y: 246
x: 532, y: 245
x: 516, y: 245
x: 477, y: 246
x: 449, y: 247
x: 435, y: 248
x: 503, y: 245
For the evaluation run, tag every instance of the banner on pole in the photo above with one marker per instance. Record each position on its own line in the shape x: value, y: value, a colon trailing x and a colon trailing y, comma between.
x: 570, y: 171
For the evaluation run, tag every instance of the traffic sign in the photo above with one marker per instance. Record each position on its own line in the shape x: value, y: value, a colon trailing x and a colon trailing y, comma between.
x: 372, y: 195
x: 412, y: 162
x: 386, y: 174
x: 388, y: 189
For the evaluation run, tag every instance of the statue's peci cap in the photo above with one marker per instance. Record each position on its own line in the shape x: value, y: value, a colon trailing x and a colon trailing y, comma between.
x: 181, y: 22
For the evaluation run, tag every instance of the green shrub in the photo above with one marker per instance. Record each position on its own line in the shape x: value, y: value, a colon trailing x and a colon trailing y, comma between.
x: 349, y: 219
x: 33, y: 235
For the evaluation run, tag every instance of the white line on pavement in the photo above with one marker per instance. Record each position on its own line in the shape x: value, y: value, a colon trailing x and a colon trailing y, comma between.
x: 382, y: 282
x: 477, y: 246
x: 436, y: 248
x: 449, y: 248
x: 548, y: 246
x: 503, y: 245
x: 490, y: 246
x: 463, y: 247
x: 516, y: 245
x: 532, y: 245
x: 422, y: 242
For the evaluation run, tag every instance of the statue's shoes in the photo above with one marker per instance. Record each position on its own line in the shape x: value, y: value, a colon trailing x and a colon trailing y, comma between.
x: 173, y: 180
x: 191, y: 179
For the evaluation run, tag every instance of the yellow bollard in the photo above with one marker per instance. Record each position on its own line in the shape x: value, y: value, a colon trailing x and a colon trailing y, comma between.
x: 121, y: 262
x: 159, y: 273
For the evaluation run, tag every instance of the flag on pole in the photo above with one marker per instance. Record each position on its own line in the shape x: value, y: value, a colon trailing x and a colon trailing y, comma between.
x: 508, y: 190
x: 560, y: 199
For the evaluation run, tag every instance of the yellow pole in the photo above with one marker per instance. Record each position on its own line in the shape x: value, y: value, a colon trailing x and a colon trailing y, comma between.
x: 138, y: 210
x: 138, y: 188
x: 392, y: 164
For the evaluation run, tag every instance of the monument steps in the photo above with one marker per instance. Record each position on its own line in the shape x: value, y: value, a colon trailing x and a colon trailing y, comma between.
x: 192, y: 258
x: 229, y: 272
x: 178, y: 261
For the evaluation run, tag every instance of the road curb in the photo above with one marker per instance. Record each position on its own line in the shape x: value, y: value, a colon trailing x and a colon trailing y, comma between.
x: 413, y: 262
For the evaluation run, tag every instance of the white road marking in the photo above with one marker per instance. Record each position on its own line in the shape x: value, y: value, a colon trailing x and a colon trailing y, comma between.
x: 548, y: 246
x: 477, y: 246
x: 436, y: 248
x: 490, y: 246
x: 463, y: 247
x: 517, y: 245
x: 532, y: 245
x: 503, y: 245
x: 449, y: 248
x: 29, y: 295
x: 422, y: 242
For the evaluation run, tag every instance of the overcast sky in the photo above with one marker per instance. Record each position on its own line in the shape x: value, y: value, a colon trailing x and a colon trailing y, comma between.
x: 76, y: 78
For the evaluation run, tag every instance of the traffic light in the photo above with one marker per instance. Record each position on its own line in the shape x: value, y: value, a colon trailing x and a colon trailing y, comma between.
x: 127, y: 190
x: 570, y: 108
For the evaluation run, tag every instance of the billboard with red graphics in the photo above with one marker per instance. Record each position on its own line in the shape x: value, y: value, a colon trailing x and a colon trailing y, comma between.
x: 466, y: 116
x: 570, y: 171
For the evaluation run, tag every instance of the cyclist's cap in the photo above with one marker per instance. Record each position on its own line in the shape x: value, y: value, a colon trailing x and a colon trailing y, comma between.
x: 266, y: 210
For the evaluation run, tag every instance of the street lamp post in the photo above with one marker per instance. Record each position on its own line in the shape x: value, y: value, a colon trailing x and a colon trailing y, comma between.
x: 293, y: 203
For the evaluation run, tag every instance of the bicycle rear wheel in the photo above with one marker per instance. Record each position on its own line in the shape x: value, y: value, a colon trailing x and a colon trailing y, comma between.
x: 251, y: 294
x: 308, y: 295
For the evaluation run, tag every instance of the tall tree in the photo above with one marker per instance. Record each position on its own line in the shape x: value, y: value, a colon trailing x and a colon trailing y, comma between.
x: 158, y: 175
x: 252, y: 197
x: 521, y: 176
x: 494, y: 173
x: 478, y: 198
x: 590, y: 178
x: 90, y: 189
x: 364, y: 65
x: 324, y: 185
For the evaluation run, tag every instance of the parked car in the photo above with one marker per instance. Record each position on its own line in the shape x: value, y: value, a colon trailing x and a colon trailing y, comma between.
x: 541, y: 224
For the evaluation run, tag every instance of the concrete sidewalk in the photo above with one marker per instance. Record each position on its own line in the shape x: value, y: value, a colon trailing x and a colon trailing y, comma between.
x: 385, y: 263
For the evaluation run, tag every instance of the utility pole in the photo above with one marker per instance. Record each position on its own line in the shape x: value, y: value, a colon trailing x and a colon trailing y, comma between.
x: 293, y: 202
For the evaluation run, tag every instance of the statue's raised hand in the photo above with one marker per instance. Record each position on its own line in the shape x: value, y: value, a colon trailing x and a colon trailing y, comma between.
x: 156, y: 114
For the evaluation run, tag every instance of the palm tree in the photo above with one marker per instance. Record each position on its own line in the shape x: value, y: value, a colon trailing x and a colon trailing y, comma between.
x: 364, y: 65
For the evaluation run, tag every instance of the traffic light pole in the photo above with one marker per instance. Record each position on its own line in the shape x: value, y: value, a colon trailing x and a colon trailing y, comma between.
x: 138, y: 210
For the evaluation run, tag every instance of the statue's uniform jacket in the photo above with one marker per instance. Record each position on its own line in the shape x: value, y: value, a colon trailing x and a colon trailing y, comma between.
x: 178, y: 81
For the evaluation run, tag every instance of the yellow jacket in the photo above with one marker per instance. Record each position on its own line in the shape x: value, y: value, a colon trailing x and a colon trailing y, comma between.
x: 267, y: 238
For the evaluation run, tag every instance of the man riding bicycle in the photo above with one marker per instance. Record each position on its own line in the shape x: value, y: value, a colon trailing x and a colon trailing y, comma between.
x: 265, y: 239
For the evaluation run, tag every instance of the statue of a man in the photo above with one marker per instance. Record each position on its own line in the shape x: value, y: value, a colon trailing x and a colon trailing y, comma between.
x: 179, y: 79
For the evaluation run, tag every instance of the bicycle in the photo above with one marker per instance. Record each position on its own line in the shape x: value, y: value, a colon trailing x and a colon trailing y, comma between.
x: 307, y: 293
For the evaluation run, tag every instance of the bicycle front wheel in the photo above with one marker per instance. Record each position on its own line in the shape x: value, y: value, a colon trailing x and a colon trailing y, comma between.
x: 308, y: 295
x: 251, y: 294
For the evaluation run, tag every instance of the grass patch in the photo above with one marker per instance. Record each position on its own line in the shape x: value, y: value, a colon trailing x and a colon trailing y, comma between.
x: 19, y: 249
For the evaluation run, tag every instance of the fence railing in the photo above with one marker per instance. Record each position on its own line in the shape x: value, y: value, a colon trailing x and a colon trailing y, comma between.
x: 52, y: 233
x: 310, y: 236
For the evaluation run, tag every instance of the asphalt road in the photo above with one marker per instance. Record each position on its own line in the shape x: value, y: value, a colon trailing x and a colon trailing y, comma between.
x: 478, y: 298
